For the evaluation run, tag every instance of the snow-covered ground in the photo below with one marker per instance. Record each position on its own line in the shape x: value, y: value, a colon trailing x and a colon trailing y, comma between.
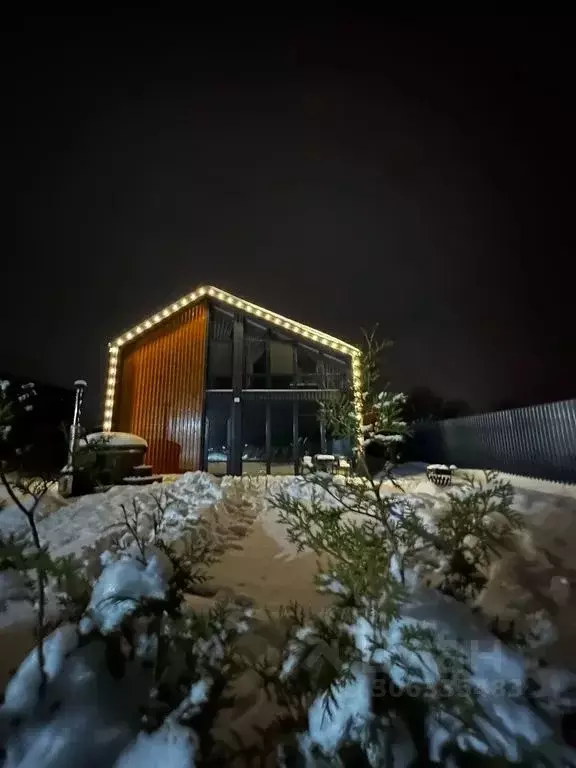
x: 546, y: 552
x: 90, y: 524
x: 79, y: 526
x: 68, y: 527
x: 539, y: 573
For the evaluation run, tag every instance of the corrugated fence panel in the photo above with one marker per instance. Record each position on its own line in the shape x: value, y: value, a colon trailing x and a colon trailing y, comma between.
x: 161, y: 390
x: 539, y: 441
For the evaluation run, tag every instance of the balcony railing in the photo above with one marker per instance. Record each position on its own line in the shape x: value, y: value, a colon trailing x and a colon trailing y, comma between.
x: 299, y: 381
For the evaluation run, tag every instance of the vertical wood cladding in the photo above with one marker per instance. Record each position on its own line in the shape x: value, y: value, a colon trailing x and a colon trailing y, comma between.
x: 161, y: 390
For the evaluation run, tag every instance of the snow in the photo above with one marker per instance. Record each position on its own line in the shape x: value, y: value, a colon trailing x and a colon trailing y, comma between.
x: 124, y: 584
x: 21, y: 692
x: 116, y: 440
x: 348, y: 714
x: 97, y: 717
x: 93, y: 522
x: 217, y: 456
x: 497, y: 675
x: 12, y: 587
x: 81, y: 524
x: 143, y: 480
x: 199, y: 692
x: 86, y: 717
x: 381, y: 438
x: 171, y: 746
x: 440, y: 466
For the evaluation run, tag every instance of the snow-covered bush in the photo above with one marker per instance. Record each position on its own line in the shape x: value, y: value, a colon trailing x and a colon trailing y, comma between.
x: 396, y: 671
x: 476, y: 524
x: 139, y: 678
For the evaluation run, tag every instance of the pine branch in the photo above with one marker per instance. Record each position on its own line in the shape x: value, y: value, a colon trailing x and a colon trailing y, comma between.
x: 40, y: 578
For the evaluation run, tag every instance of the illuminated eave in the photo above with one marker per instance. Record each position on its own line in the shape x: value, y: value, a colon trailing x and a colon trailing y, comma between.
x: 250, y: 308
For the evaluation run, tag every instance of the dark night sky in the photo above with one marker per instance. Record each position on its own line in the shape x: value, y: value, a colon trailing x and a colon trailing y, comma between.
x: 416, y: 173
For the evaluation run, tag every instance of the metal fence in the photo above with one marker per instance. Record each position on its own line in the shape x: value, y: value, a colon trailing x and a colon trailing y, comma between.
x: 539, y: 441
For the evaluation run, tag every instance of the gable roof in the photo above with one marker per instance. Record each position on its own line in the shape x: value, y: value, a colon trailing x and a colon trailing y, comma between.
x: 312, y: 334
x: 209, y: 291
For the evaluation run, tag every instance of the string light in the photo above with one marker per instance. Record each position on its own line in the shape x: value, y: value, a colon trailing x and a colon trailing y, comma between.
x: 254, y: 309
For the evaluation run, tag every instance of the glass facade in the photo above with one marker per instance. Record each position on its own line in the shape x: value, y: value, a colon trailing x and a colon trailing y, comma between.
x: 267, y: 421
x: 255, y: 356
x: 336, y: 373
x: 220, y: 350
x: 309, y: 368
x: 281, y: 364
x: 217, y: 435
x: 220, y: 365
x: 254, y: 437
x: 282, y: 437
x: 309, y: 428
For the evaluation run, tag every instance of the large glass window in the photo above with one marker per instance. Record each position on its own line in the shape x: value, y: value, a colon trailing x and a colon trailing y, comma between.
x: 217, y: 442
x: 308, y: 368
x: 308, y: 429
x: 255, y: 356
x: 282, y: 438
x: 220, y: 365
x: 336, y: 372
x: 281, y: 364
x: 254, y: 437
x: 220, y: 350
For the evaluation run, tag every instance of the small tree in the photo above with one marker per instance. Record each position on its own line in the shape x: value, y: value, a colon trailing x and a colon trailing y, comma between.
x: 381, y: 412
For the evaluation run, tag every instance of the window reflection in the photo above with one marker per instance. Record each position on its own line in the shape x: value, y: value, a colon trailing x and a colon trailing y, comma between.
x: 217, y: 442
x: 254, y: 437
x: 281, y: 454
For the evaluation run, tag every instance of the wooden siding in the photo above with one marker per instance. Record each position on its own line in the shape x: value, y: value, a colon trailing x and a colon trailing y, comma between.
x: 161, y: 390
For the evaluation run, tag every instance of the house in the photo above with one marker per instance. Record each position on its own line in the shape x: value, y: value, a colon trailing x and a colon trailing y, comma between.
x: 218, y: 383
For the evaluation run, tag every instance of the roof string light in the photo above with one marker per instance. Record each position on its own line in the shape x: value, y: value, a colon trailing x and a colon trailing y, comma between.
x: 254, y: 309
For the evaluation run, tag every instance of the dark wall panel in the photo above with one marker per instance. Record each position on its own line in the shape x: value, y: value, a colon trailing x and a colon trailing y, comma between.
x: 161, y: 390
